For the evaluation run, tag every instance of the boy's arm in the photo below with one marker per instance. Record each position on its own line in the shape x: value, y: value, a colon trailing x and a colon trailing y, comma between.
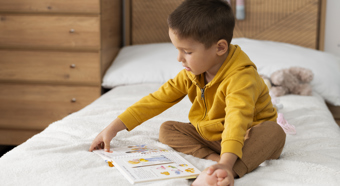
x: 242, y: 95
x: 149, y: 106
x: 228, y: 159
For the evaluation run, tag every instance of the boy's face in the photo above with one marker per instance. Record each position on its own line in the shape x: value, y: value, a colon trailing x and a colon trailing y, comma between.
x: 193, y: 55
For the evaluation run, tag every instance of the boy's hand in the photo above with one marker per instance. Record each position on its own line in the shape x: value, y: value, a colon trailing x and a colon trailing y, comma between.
x: 102, y: 141
x: 218, y: 174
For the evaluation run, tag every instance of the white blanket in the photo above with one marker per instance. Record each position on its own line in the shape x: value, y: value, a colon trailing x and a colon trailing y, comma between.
x: 59, y: 155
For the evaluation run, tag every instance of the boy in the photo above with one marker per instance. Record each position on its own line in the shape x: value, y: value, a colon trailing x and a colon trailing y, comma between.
x: 232, y: 119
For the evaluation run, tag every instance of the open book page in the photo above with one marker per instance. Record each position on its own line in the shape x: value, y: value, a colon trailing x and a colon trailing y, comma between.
x: 156, y: 167
x: 140, y: 163
x: 132, y: 150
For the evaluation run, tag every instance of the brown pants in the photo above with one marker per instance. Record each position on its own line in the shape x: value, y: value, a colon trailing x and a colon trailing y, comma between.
x: 262, y: 142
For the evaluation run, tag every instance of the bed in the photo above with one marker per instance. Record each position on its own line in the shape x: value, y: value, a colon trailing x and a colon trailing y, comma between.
x: 59, y: 154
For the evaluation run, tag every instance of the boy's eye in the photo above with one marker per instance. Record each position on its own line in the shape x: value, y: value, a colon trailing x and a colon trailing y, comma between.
x: 187, y: 52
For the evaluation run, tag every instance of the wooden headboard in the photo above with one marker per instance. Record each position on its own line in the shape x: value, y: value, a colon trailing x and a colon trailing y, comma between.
x: 299, y: 22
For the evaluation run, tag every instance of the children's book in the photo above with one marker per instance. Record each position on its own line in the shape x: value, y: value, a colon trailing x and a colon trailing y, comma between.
x: 142, y: 163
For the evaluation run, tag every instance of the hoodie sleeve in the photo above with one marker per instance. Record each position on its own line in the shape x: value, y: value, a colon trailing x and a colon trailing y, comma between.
x: 242, y: 93
x: 155, y: 103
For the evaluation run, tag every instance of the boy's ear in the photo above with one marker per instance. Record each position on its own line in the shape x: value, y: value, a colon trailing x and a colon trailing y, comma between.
x: 222, y: 47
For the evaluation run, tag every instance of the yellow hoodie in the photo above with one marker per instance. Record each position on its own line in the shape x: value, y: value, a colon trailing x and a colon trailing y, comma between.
x: 224, y: 109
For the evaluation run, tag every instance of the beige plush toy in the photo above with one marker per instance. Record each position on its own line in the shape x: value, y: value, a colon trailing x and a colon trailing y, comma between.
x: 294, y: 80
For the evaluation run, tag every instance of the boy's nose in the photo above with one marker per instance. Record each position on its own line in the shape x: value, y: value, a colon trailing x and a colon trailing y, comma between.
x: 180, y: 58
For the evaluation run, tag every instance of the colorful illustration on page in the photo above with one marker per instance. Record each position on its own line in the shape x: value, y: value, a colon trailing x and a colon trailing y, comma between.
x: 183, y: 165
x: 191, y: 170
x: 148, y: 161
x: 161, y: 167
x: 143, y: 149
x: 165, y: 173
x: 177, y: 171
x: 174, y: 169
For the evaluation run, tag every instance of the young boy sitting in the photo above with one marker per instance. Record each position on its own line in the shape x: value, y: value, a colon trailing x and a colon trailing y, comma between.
x: 232, y: 119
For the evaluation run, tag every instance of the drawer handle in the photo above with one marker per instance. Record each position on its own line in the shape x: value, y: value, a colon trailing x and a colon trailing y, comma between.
x: 73, y: 65
x: 73, y: 100
x: 72, y: 30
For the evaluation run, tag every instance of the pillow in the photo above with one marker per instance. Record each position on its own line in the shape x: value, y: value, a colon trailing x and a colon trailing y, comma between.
x: 270, y: 56
x: 157, y: 63
x: 148, y: 63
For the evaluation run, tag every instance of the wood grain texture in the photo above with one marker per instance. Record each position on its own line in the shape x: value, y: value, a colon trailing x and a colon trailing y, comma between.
x: 50, y: 67
x: 127, y: 22
x: 50, y: 6
x: 49, y: 31
x: 111, y: 24
x: 34, y: 107
x: 290, y: 21
x: 149, y: 20
x: 15, y: 137
x: 322, y: 23
x: 52, y: 51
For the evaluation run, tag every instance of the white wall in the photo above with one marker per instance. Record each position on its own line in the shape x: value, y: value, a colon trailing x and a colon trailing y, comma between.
x: 332, y: 29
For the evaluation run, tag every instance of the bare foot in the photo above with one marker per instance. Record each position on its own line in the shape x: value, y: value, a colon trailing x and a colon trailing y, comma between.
x: 202, y: 179
x: 205, y: 179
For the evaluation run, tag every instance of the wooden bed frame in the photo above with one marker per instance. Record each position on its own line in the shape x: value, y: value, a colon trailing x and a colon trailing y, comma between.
x: 296, y: 22
x: 299, y: 22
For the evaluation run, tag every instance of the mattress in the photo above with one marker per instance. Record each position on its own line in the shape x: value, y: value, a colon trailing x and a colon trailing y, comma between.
x: 59, y: 155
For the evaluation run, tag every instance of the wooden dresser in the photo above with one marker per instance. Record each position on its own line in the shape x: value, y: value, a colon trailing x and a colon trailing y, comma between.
x: 53, y: 54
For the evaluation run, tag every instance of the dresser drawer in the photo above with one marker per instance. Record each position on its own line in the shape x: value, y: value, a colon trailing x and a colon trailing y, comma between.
x: 50, y: 67
x: 53, y: 6
x: 49, y: 31
x: 34, y: 107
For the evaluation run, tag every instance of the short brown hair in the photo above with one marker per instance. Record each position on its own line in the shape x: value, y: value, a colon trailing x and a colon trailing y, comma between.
x: 206, y: 21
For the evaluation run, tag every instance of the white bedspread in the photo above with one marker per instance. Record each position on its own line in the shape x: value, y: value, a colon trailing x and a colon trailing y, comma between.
x: 59, y: 155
